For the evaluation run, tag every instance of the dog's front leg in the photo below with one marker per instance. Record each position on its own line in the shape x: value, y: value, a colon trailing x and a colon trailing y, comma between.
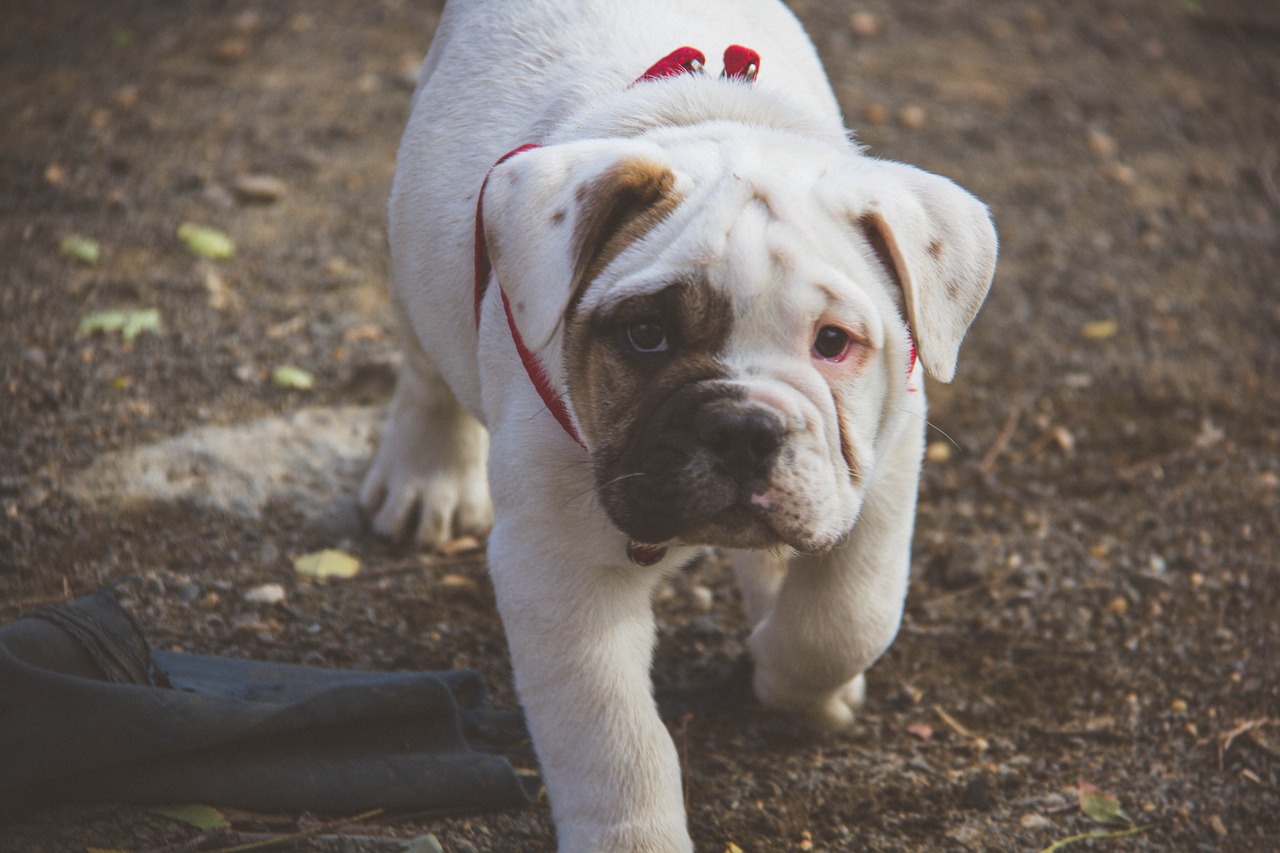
x: 833, y: 614
x: 581, y: 637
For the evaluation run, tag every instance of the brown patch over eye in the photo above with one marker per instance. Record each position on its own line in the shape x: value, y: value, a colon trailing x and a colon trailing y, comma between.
x: 618, y: 209
x: 625, y: 363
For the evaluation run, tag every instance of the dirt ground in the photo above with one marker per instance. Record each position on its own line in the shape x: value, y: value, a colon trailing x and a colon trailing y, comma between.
x: 1096, y: 594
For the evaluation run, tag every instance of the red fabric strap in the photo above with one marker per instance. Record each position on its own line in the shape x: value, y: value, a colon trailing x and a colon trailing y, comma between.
x: 741, y: 63
x: 538, y: 376
x: 532, y: 365
x: 682, y: 60
x: 480, y: 262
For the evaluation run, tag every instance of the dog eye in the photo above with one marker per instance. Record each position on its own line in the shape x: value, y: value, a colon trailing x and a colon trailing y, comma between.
x: 647, y: 336
x: 831, y: 343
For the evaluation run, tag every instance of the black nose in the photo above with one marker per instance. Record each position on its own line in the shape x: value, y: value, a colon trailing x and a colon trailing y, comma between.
x: 744, y: 442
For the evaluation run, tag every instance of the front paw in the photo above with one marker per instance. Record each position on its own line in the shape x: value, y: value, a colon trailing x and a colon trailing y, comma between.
x: 427, y: 480
x: 658, y: 836
x: 823, y: 710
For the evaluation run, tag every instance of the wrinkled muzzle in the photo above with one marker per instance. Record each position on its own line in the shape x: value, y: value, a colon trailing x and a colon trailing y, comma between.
x: 698, y: 469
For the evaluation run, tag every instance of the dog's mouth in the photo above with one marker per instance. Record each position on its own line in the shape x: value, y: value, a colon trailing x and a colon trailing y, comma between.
x: 740, y: 525
x: 735, y: 524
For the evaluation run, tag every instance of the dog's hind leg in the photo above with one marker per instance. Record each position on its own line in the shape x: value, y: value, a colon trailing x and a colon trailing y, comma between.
x: 427, y: 480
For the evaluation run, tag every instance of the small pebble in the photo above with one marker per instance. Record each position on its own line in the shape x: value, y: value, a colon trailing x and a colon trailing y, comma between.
x: 938, y: 451
x: 1118, y: 173
x: 231, y: 50
x: 1101, y: 144
x: 247, y: 22
x: 876, y: 115
x: 458, y: 584
x: 126, y: 97
x: 408, y: 67
x: 701, y: 598
x: 461, y: 545
x: 259, y: 188
x: 268, y: 593
x: 865, y: 24
x: 912, y: 117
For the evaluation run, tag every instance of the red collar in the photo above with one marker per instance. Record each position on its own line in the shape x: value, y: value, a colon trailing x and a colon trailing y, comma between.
x: 740, y: 63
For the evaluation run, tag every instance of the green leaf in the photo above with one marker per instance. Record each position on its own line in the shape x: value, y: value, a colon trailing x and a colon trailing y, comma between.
x: 81, y: 249
x: 202, y: 817
x: 206, y: 242
x: 329, y: 563
x: 1101, y: 807
x: 291, y: 376
x: 129, y: 324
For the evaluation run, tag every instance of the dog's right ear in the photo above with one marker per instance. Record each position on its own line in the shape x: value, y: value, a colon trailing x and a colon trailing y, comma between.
x: 937, y: 243
x: 555, y: 217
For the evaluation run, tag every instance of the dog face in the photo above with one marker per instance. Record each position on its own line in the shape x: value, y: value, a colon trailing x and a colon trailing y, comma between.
x: 729, y: 320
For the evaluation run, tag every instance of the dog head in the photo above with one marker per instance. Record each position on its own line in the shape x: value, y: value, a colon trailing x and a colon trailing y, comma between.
x: 732, y: 319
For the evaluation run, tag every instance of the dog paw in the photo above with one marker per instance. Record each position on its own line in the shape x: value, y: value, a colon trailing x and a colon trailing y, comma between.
x: 427, y: 480
x: 825, y: 710
x: 659, y: 836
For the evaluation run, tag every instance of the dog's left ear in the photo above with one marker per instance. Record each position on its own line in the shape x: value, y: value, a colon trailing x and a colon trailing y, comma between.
x: 555, y: 217
x: 936, y: 241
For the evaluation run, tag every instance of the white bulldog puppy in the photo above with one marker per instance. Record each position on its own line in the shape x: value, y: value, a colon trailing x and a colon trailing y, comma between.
x: 684, y: 313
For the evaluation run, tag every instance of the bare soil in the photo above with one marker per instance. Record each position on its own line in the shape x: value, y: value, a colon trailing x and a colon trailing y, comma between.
x: 1096, y: 595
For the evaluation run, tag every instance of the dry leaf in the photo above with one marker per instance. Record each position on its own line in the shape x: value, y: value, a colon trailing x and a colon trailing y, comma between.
x: 81, y: 249
x: 1100, y: 806
x: 129, y: 324
x: 206, y: 242
x: 329, y: 563
x: 203, y: 817
x: 1100, y: 330
x: 292, y: 376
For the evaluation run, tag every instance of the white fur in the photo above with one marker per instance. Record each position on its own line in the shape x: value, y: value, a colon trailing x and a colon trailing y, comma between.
x: 771, y: 189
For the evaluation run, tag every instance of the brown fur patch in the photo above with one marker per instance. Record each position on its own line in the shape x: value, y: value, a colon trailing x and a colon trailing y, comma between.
x: 846, y: 447
x: 636, y: 409
x: 617, y: 209
x: 611, y: 387
x: 876, y: 230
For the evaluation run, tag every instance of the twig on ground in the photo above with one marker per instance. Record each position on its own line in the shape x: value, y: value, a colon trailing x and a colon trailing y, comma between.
x: 1001, y: 443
